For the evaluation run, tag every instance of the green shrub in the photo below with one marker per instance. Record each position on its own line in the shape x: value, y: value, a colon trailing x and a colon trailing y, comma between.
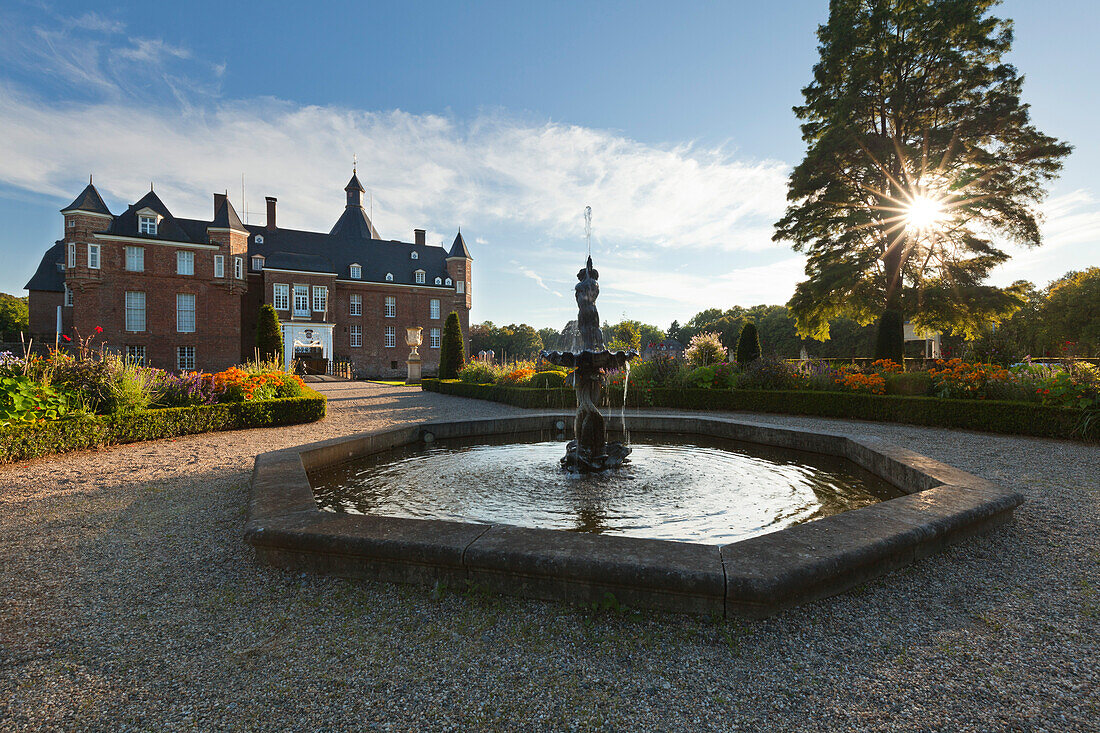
x: 94, y: 431
x: 890, y: 337
x: 908, y: 383
x: 452, y: 350
x: 545, y: 380
x: 23, y: 399
x: 702, y: 377
x: 769, y: 373
x: 269, y: 335
x: 705, y: 349
x: 477, y: 372
x: 1018, y: 418
x: 748, y: 345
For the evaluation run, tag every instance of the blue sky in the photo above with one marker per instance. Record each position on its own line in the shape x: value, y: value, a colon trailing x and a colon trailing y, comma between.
x: 672, y: 121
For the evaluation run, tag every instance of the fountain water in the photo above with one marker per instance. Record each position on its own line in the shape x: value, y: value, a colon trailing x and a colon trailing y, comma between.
x: 589, y: 451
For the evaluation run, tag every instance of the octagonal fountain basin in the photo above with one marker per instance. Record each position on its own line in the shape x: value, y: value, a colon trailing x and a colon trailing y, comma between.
x: 711, y: 515
x: 675, y: 487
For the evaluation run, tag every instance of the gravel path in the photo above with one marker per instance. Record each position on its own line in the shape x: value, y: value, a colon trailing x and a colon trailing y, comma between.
x: 130, y: 602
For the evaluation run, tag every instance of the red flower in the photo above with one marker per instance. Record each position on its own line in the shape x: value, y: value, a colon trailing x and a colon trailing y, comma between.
x: 66, y: 338
x: 99, y: 329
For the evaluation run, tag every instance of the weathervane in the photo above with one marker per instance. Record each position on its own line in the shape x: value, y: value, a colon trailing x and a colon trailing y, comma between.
x: 354, y: 162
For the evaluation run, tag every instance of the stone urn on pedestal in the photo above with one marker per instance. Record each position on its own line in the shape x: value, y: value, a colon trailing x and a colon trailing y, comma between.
x: 413, y: 338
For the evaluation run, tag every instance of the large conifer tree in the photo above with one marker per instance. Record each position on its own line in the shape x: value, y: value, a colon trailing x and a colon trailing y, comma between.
x: 920, y: 160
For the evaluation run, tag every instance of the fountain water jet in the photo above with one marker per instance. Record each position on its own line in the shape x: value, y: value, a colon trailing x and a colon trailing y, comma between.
x: 589, y: 450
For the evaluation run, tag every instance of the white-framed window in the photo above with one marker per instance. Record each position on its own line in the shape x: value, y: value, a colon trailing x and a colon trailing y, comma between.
x: 447, y: 282
x: 135, y: 355
x: 185, y: 312
x: 68, y: 295
x: 185, y: 357
x: 460, y: 287
x: 259, y: 239
x: 389, y: 277
x: 282, y: 297
x: 185, y: 262
x: 391, y: 307
x: 420, y: 276
x: 433, y: 338
x: 356, y: 336
x: 219, y: 265
x: 415, y: 255
x: 257, y: 263
x: 93, y: 256
x: 72, y: 255
x: 433, y: 308
x: 320, y: 298
x: 238, y: 268
x: 135, y: 259
x: 439, y: 281
x: 356, y: 272
x: 391, y: 337
x: 356, y: 308
x: 301, y: 300
x: 147, y: 224
x: 135, y: 311
x: 71, y: 223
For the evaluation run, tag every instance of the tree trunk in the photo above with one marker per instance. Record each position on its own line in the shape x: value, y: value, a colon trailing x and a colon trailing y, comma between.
x: 890, y: 339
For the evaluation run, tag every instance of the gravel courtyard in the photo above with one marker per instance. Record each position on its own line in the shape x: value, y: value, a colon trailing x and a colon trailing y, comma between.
x: 130, y: 602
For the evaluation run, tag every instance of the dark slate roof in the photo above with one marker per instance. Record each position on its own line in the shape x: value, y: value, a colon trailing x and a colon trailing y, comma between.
x: 292, y: 249
x: 458, y: 248
x: 225, y: 216
x: 354, y: 184
x: 170, y: 228
x: 49, y: 275
x: 89, y: 200
x: 354, y: 223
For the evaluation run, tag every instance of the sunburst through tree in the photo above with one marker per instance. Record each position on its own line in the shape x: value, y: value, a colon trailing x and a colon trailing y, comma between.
x: 921, y: 161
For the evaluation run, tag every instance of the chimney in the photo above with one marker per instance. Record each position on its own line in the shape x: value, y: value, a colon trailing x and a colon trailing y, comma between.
x: 219, y: 202
x: 418, y: 234
x: 270, y: 211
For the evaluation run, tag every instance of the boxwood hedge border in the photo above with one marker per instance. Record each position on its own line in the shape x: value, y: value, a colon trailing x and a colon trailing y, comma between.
x: 992, y: 416
x: 21, y: 442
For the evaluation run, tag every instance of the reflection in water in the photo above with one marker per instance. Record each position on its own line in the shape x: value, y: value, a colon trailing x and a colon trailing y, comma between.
x: 684, y: 488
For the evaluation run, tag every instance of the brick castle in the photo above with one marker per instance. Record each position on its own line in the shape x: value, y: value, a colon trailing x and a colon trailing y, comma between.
x: 181, y: 293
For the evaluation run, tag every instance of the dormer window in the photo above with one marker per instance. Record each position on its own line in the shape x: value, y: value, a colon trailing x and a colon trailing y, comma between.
x: 257, y: 263
x: 415, y: 255
x: 447, y: 282
x: 259, y: 239
x: 147, y: 225
x: 420, y: 277
x: 439, y: 281
x: 389, y: 277
x: 356, y: 272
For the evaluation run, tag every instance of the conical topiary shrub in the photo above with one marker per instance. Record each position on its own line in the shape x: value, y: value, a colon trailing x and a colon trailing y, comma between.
x: 748, y: 344
x: 269, y: 335
x: 452, y: 350
x: 890, y: 338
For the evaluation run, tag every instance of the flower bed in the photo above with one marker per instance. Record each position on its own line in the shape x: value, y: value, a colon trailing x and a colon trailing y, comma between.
x: 91, y: 398
x: 998, y: 416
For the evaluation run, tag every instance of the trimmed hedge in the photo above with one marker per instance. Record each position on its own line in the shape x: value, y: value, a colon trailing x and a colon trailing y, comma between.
x: 1015, y: 418
x: 20, y: 442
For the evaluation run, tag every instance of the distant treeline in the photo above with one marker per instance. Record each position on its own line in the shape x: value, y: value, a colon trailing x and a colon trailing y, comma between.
x: 1058, y: 320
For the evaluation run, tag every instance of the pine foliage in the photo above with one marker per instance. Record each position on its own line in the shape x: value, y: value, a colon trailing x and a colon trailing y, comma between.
x: 452, y: 350
x: 912, y: 101
x: 748, y: 344
x: 269, y: 335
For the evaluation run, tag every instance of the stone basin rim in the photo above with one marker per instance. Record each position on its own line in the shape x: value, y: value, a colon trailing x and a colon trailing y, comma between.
x: 755, y: 577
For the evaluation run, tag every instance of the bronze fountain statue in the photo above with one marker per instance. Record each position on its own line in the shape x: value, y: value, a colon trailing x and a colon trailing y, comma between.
x: 589, y: 451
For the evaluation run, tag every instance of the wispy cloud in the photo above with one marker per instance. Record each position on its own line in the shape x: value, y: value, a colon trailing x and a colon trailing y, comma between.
x: 529, y: 273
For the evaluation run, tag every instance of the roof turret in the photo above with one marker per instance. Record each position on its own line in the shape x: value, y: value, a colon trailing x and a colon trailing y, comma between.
x: 458, y: 249
x: 89, y: 200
